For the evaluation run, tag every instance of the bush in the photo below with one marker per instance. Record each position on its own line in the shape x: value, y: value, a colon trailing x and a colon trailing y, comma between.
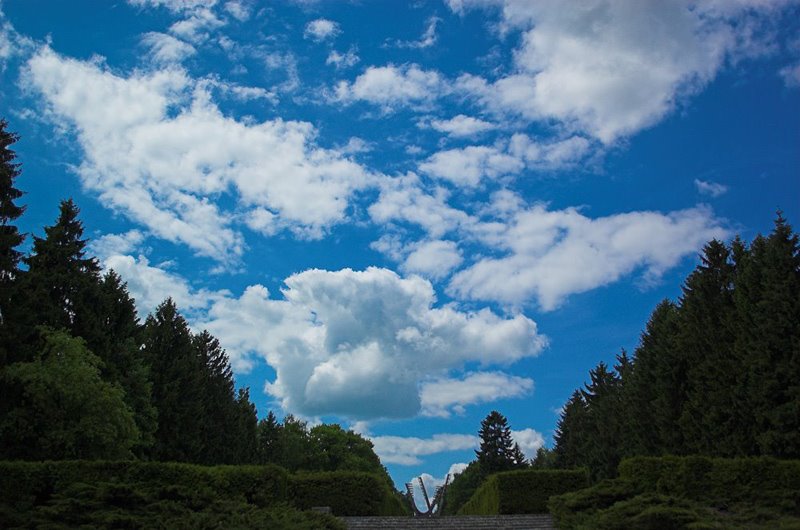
x: 524, y: 491
x: 688, y: 492
x: 345, y: 492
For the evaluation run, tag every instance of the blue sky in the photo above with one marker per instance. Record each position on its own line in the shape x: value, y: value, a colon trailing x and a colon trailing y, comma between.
x: 399, y: 216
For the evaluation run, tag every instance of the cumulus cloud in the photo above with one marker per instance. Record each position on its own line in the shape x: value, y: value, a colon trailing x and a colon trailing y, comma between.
x: 553, y: 254
x: 607, y: 68
x: 166, y: 48
x: 460, y: 126
x: 197, y: 27
x: 392, y: 86
x: 714, y: 189
x: 403, y: 199
x: 321, y: 29
x: 174, y: 5
x: 468, y: 166
x: 443, y: 397
x: 344, y: 60
x: 433, y: 259
x: 358, y: 343
x: 529, y: 441
x: 238, y: 10
x: 159, y: 150
x: 406, y: 451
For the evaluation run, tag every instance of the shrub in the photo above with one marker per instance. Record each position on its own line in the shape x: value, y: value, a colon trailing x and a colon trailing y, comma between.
x: 688, y: 492
x: 524, y: 491
x: 345, y: 492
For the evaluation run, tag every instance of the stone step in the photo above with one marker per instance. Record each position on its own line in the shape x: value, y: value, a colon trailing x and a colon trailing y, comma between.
x: 461, y: 522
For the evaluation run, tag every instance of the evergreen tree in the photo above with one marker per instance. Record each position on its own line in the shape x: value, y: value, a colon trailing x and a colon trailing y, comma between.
x: 177, y: 375
x: 247, y: 429
x: 654, y: 393
x: 602, y: 396
x: 708, y: 421
x: 768, y: 339
x: 572, y: 433
x: 10, y: 238
x: 269, y: 440
x: 220, y: 410
x: 62, y: 281
x: 496, y: 451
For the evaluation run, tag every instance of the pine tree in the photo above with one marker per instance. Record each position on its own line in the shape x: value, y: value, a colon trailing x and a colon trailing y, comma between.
x: 269, y: 440
x: 61, y: 278
x: 247, y: 429
x: 768, y: 339
x: 496, y: 451
x: 655, y: 391
x: 177, y: 375
x: 10, y: 238
x: 708, y: 422
x: 220, y: 411
x: 572, y: 433
x: 603, y: 398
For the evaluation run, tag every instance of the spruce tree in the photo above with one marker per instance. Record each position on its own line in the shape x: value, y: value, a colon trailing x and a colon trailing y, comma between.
x: 10, y: 237
x: 572, y: 433
x: 603, y: 398
x: 177, y: 375
x: 220, y: 411
x: 269, y: 440
x: 496, y: 451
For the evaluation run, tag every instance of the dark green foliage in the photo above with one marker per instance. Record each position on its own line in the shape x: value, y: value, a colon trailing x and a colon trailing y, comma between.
x: 524, y: 491
x: 545, y: 459
x: 497, y: 451
x: 60, y: 407
x: 177, y: 375
x: 717, y: 374
x: 148, y: 495
x: 462, y: 488
x: 346, y: 493
x: 693, y: 492
x: 10, y: 238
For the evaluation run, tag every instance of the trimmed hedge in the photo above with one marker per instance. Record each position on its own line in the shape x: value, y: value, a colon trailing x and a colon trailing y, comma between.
x: 524, y: 491
x: 688, y: 492
x: 345, y: 492
x: 137, y: 494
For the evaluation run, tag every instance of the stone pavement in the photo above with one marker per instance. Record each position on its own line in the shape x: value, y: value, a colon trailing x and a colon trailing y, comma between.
x: 461, y: 522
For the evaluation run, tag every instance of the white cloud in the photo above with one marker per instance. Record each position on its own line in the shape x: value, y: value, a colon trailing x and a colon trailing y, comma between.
x: 460, y: 126
x: 197, y: 27
x: 714, y: 189
x: 112, y: 244
x: 392, y: 86
x: 433, y: 259
x: 157, y: 149
x: 357, y: 344
x: 612, y: 68
x: 238, y: 10
x: 469, y: 165
x: 345, y: 60
x: 321, y: 29
x: 427, y: 39
x: 791, y: 75
x: 404, y: 199
x: 174, y: 5
x: 529, y: 441
x: 150, y: 285
x: 166, y: 48
x: 406, y: 451
x: 553, y: 254
x: 443, y: 397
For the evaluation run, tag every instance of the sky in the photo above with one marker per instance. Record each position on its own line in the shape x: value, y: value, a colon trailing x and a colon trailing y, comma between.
x: 399, y: 216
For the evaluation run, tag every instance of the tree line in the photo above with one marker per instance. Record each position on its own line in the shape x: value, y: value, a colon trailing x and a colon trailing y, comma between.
x: 82, y: 378
x: 716, y: 373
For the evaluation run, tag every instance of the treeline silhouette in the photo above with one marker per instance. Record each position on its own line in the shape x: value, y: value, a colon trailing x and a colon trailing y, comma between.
x: 716, y: 373
x: 82, y: 378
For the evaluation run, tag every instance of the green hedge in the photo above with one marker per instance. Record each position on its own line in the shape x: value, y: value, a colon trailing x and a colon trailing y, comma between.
x: 345, y: 492
x: 688, y: 492
x: 524, y: 491
x: 169, y: 495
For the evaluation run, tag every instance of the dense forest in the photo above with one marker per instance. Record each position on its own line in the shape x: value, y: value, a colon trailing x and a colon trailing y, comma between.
x: 716, y: 374
x: 82, y: 378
